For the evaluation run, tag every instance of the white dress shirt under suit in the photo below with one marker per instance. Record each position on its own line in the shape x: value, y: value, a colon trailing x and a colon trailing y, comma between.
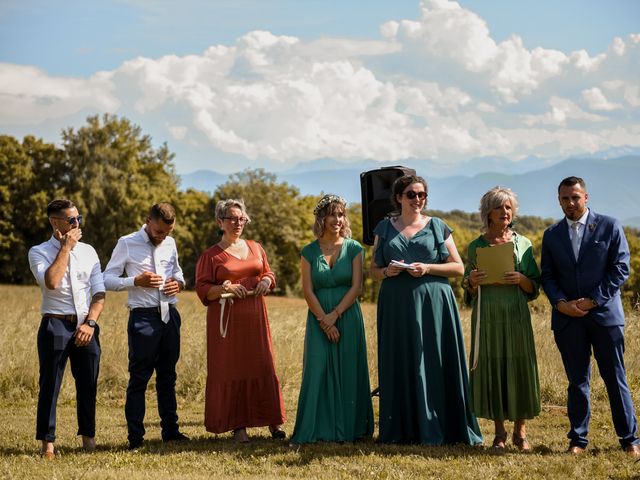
x: 576, y: 232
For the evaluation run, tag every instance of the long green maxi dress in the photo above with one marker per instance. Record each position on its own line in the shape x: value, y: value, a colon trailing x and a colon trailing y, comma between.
x: 422, y: 370
x: 505, y: 385
x: 335, y: 396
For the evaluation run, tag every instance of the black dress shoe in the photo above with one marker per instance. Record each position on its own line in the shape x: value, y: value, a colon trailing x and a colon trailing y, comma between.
x: 175, y: 437
x: 135, y: 444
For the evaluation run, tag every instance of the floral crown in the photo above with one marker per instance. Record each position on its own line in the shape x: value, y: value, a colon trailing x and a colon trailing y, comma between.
x: 326, y: 200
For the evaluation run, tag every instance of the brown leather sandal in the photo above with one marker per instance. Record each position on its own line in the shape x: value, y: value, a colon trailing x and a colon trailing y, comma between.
x: 521, y: 443
x: 499, y: 441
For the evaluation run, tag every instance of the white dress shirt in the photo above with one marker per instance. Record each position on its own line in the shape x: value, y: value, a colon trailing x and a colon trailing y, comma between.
x: 82, y: 278
x: 581, y: 222
x: 135, y: 254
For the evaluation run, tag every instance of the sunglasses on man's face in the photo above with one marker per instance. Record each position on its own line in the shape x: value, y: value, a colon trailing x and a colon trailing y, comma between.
x: 411, y: 195
x: 71, y: 220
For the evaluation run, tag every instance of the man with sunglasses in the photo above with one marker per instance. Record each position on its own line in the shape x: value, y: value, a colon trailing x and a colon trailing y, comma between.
x: 152, y: 277
x: 68, y: 272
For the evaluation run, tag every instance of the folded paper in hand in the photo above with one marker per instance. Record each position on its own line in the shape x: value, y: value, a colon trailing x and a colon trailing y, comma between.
x: 406, y: 266
x: 495, y: 261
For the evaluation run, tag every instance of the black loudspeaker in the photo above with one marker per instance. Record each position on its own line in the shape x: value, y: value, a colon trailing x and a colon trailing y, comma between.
x: 375, y: 186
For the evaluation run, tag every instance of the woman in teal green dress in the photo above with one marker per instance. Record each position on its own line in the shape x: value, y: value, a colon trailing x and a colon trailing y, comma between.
x: 504, y: 375
x: 335, y: 401
x: 422, y: 370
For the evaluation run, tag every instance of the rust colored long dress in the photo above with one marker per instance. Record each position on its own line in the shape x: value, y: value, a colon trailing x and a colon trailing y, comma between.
x: 242, y: 387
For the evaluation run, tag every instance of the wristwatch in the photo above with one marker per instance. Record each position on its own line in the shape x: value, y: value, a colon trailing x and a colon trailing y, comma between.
x: 91, y: 323
x: 225, y: 285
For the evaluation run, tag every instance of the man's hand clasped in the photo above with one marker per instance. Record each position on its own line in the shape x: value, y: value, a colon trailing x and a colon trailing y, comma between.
x: 148, y: 280
x: 575, y: 308
x: 171, y: 287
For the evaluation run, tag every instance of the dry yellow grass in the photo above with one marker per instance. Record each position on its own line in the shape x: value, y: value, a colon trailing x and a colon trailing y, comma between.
x: 212, y: 456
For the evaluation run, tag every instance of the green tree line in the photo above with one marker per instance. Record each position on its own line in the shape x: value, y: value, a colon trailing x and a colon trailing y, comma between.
x: 113, y: 173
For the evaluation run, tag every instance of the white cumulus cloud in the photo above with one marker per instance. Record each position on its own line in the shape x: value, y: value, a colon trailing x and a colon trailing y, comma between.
x: 436, y: 86
x: 596, y: 100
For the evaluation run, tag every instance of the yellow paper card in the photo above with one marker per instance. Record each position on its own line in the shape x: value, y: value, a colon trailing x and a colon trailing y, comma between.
x: 495, y: 261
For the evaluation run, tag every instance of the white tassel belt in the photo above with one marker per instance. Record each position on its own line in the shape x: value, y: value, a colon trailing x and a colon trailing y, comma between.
x: 224, y: 325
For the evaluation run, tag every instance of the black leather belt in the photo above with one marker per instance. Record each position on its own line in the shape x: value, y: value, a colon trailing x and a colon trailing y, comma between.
x: 146, y: 309
x: 68, y: 318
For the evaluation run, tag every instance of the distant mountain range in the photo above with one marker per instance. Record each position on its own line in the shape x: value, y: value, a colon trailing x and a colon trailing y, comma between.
x: 613, y: 183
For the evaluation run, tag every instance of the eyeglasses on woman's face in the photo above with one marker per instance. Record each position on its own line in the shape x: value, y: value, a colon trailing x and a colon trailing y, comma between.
x: 236, y: 220
x: 412, y: 194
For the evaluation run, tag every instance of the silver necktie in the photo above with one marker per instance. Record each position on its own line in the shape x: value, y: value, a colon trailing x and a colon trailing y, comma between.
x: 575, y: 238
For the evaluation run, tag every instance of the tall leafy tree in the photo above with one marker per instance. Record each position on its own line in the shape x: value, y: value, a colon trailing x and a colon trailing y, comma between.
x: 114, y: 174
x: 196, y: 229
x: 15, y: 177
x: 25, y: 189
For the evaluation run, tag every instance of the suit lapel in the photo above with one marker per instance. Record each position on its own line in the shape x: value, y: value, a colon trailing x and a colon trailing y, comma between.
x: 589, y: 230
x: 563, y: 232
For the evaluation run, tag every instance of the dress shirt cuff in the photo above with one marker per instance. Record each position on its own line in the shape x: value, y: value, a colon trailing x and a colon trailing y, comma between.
x: 128, y: 282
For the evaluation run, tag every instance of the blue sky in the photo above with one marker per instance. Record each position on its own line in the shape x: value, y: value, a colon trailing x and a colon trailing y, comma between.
x: 75, y: 37
x: 242, y: 83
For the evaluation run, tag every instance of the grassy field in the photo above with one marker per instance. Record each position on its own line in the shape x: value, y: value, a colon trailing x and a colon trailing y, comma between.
x: 217, y: 456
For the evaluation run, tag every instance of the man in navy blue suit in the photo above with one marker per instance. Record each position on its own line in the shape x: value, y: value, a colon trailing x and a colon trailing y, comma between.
x: 585, y: 261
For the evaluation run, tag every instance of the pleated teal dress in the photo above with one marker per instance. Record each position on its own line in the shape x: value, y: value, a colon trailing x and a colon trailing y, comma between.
x: 505, y: 384
x: 422, y: 370
x: 335, y: 400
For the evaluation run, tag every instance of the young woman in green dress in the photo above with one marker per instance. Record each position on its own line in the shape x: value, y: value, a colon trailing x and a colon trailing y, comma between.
x: 504, y: 382
x: 335, y: 401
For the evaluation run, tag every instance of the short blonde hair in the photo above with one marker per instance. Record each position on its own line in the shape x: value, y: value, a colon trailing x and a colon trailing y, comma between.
x: 328, y: 205
x: 494, y: 198
x: 223, y: 207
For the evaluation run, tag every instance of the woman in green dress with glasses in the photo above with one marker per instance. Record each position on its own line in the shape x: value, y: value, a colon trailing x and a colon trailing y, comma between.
x: 504, y: 376
x: 422, y: 370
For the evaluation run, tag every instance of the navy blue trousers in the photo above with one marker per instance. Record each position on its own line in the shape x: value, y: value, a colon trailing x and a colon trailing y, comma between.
x: 575, y: 343
x: 153, y: 345
x: 55, y: 346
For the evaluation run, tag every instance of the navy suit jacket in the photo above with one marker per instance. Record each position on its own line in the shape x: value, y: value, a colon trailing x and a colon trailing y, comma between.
x: 601, y: 269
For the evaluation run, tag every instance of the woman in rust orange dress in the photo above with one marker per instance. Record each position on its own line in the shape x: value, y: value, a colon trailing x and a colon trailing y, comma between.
x: 242, y: 387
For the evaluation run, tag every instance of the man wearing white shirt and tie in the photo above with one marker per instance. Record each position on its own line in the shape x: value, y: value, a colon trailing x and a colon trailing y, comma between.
x: 68, y: 272
x: 585, y: 262
x: 152, y: 276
